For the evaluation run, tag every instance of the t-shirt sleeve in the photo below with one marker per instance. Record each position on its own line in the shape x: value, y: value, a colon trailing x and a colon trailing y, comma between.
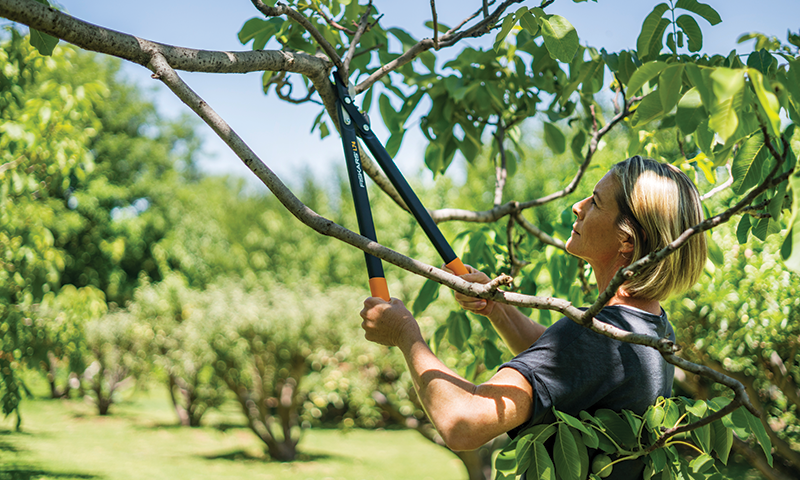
x: 566, y: 367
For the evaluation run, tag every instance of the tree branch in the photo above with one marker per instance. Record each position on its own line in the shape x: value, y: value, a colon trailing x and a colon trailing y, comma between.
x: 500, y: 170
x: 538, y: 233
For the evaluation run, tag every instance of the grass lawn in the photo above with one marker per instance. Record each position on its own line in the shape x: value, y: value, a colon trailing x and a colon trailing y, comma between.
x: 66, y: 439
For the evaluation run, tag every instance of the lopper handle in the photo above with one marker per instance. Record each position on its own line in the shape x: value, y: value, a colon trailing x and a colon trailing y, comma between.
x: 379, y: 288
x: 457, y: 266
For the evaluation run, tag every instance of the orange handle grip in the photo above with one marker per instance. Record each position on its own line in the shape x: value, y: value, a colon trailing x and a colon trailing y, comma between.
x: 457, y: 267
x: 379, y: 288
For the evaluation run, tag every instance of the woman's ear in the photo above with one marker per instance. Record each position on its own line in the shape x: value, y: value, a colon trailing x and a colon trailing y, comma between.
x: 627, y: 244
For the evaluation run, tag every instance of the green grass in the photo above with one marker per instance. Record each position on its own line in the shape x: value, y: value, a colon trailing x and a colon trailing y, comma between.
x: 66, y: 440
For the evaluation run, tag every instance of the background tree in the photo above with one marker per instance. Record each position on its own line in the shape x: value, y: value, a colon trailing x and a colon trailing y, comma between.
x: 86, y: 176
x: 698, y: 111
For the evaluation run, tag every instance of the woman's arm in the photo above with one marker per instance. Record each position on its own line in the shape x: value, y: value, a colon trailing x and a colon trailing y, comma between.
x: 465, y: 415
x: 517, y: 330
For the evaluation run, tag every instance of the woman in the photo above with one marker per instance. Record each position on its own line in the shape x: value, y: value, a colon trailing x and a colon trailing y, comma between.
x: 638, y: 207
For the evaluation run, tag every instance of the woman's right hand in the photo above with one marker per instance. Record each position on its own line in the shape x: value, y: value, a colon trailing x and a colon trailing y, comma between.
x: 474, y: 304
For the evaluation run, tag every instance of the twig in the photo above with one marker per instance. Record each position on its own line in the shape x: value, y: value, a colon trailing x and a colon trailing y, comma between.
x: 362, y: 27
x: 727, y: 183
x: 330, y: 21
x: 436, y: 24
x: 501, y: 173
x: 12, y: 164
x: 485, y: 9
x: 677, y: 430
x: 367, y: 50
x: 287, y: 96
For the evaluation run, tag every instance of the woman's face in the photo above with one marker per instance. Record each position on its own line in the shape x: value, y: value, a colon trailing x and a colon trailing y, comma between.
x: 596, y: 237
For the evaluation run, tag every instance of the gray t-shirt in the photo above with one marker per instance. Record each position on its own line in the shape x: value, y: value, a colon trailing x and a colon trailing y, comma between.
x: 573, y: 368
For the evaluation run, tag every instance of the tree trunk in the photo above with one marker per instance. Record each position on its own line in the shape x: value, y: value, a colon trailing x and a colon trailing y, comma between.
x: 183, y: 415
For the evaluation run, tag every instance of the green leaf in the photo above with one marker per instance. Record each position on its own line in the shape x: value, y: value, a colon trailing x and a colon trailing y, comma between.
x: 251, y: 28
x: 644, y: 74
x: 743, y: 229
x: 583, y: 454
x: 615, y: 426
x: 701, y: 463
x: 405, y: 38
x: 43, y: 42
x: 790, y: 250
x: 699, y: 408
x: 654, y: 417
x: 723, y: 440
x: 761, y: 61
x: 554, y: 138
x: 748, y: 163
x: 649, y: 109
x: 650, y: 30
x: 508, y: 24
x: 760, y: 432
x: 702, y: 437
x: 728, y: 88
x: 669, y: 86
x: 702, y: 9
x: 700, y: 78
x: 441, y: 27
x: 690, y: 111
x: 767, y: 100
x: 572, y: 421
x: 715, y: 252
x: 658, y: 459
x: 560, y: 38
x: 529, y: 23
x: 526, y: 450
x: 458, y: 329
x: 541, y: 467
x: 577, y: 144
x: 492, y: 356
x: 390, y: 117
x: 692, y: 31
x: 565, y: 454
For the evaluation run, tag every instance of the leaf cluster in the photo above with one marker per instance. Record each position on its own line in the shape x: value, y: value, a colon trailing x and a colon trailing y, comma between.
x: 594, y: 444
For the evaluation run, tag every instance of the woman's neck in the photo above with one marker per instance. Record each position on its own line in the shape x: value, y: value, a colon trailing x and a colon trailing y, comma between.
x: 649, y: 306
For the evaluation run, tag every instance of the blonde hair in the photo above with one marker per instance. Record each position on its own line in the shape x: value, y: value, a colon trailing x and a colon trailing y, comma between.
x: 658, y: 202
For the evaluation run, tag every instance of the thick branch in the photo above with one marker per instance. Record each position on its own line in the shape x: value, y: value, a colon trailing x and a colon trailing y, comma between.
x: 137, y: 50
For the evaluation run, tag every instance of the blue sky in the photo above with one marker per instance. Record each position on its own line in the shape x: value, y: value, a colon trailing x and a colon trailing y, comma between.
x: 279, y: 132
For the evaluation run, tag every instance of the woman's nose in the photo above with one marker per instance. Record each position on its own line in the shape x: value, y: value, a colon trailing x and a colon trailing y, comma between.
x: 576, y: 208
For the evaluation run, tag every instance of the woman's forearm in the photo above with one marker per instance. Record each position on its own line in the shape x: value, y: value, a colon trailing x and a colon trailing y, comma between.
x: 465, y: 415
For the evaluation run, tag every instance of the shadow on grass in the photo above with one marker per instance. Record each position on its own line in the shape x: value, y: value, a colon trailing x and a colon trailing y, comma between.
x: 13, y: 472
x: 242, y: 455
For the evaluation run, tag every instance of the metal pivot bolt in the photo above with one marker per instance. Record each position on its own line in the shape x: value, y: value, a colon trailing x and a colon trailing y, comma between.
x: 366, y: 128
x: 347, y: 100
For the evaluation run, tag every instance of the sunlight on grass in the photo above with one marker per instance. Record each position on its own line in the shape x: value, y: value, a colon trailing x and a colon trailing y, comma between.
x: 67, y: 440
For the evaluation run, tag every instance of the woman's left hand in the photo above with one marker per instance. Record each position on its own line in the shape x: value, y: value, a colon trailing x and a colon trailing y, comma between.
x: 388, y: 323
